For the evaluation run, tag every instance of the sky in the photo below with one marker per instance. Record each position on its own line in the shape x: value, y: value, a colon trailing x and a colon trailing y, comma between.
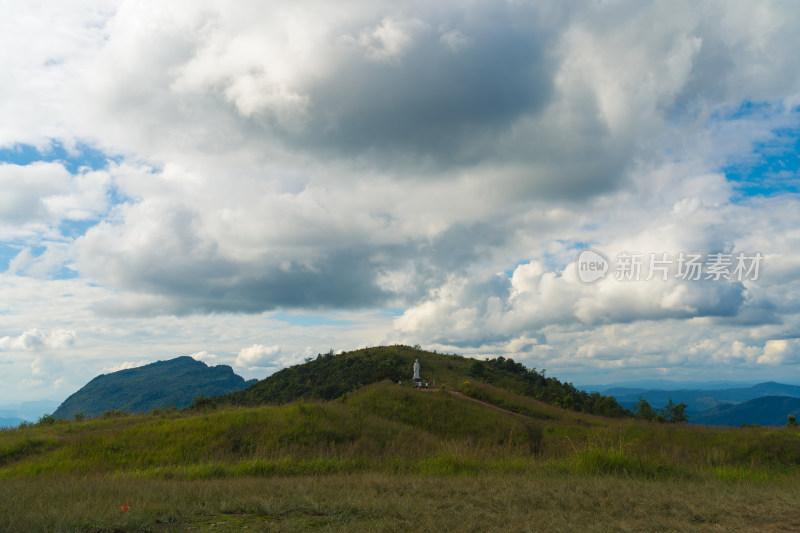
x: 252, y: 183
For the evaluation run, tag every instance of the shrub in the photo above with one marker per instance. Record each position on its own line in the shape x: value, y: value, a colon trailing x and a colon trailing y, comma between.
x: 201, y: 403
x: 115, y: 413
x: 46, y: 420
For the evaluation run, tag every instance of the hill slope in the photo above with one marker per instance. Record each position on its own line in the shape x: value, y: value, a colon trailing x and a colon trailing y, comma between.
x: 330, y: 376
x: 295, y: 467
x: 175, y: 382
x: 386, y: 427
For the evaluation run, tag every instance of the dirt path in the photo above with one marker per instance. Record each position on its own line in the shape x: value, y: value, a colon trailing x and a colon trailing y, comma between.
x: 460, y: 395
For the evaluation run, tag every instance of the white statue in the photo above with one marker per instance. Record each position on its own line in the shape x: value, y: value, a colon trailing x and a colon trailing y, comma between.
x: 416, y: 371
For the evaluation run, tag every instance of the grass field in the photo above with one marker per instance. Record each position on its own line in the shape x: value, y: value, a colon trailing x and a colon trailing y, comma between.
x: 538, y: 500
x: 388, y: 458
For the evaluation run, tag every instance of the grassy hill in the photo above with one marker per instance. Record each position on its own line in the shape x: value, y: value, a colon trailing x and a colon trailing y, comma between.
x: 378, y: 425
x: 176, y: 382
x: 481, y: 453
x: 330, y: 375
x: 377, y: 456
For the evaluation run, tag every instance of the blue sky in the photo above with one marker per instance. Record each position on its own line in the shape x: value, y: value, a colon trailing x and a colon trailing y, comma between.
x: 255, y: 187
x: 772, y: 166
x: 75, y: 161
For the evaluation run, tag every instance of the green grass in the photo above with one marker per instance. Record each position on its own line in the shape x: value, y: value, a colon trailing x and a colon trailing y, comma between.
x: 541, y: 500
x: 387, y: 458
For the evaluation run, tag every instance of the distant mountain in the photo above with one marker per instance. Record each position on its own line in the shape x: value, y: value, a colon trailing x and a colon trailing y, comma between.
x: 29, y: 411
x: 175, y: 382
x: 632, y: 387
x: 690, y: 396
x: 10, y: 422
x: 764, y: 411
x: 705, y: 404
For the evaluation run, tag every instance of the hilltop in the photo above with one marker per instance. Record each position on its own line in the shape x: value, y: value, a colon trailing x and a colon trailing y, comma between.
x: 330, y: 375
x: 176, y: 382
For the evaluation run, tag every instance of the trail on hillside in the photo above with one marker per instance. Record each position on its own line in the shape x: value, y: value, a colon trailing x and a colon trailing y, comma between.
x: 496, y: 408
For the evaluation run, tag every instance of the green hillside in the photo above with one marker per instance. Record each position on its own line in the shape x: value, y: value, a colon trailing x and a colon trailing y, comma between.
x: 472, y: 454
x: 330, y: 375
x: 383, y: 426
x: 176, y: 382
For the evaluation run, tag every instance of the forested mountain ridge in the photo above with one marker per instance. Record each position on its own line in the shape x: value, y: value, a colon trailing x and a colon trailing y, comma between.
x: 175, y: 382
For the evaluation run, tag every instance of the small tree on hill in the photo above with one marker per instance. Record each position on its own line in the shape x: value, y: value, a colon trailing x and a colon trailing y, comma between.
x: 675, y: 413
x: 201, y: 403
x: 643, y: 410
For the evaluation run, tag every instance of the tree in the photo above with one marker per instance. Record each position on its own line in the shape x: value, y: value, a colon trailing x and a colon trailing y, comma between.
x: 675, y: 413
x: 46, y: 420
x: 672, y: 412
x: 643, y: 410
x: 792, y: 421
x: 201, y: 403
x: 478, y: 369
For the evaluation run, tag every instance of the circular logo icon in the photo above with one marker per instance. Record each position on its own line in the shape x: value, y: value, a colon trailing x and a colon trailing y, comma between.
x: 591, y: 266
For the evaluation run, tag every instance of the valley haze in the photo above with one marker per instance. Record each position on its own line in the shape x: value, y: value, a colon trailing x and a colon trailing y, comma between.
x: 255, y: 185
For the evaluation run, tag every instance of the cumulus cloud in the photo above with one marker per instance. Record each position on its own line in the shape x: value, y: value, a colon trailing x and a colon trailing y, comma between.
x: 48, y: 193
x: 393, y: 108
x: 780, y: 351
x: 258, y: 355
x: 474, y: 312
x: 443, y: 160
x: 35, y: 340
x: 205, y: 357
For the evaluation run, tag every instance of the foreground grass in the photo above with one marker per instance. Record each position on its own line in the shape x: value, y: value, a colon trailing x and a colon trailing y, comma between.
x: 387, y: 458
x: 370, y: 501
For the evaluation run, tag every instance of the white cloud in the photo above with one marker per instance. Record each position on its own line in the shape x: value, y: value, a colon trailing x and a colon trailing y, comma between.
x: 205, y: 357
x: 392, y: 159
x: 258, y: 355
x: 42, y: 193
x: 781, y: 351
x: 35, y: 340
x: 388, y: 40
